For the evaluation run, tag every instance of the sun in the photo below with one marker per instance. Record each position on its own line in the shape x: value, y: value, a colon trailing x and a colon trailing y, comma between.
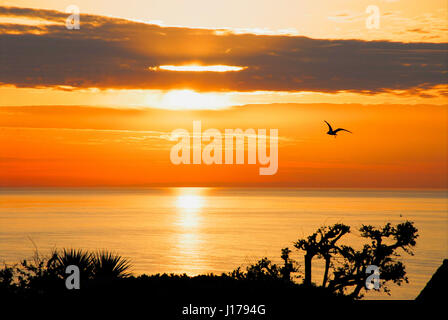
x: 199, y: 68
x: 190, y: 99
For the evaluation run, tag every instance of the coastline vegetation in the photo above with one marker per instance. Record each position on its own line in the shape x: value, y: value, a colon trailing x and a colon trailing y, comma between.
x: 344, y: 275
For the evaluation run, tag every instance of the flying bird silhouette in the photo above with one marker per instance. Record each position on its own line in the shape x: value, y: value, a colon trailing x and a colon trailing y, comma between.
x: 334, y: 133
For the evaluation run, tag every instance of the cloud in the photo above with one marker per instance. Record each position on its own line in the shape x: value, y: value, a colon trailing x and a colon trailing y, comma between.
x: 115, y: 53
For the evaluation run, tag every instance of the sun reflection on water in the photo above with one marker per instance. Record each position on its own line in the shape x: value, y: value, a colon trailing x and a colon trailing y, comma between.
x: 189, y: 220
x: 189, y: 203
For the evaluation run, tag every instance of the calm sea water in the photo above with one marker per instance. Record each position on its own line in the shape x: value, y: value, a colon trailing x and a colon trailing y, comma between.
x: 199, y: 230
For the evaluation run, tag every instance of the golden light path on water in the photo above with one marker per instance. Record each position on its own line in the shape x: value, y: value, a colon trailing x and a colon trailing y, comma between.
x: 189, y: 204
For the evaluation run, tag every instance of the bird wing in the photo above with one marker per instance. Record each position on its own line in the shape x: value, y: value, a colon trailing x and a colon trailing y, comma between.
x: 340, y: 129
x: 331, y: 129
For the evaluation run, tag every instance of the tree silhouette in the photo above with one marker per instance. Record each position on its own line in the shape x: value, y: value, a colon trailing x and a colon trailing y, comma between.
x: 382, y: 250
x: 323, y: 244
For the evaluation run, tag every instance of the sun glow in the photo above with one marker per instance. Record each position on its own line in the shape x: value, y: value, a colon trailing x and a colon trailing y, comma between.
x: 189, y: 99
x: 199, y: 68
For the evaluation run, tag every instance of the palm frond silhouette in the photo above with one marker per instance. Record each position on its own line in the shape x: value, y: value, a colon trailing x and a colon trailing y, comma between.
x: 110, y: 265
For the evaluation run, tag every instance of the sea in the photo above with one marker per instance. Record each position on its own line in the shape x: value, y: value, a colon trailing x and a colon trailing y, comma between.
x: 215, y: 230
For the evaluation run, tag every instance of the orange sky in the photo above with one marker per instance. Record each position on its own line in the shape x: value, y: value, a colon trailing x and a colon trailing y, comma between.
x: 391, y: 146
x: 96, y: 106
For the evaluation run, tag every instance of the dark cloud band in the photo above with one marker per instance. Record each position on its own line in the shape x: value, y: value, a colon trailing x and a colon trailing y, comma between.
x: 115, y: 53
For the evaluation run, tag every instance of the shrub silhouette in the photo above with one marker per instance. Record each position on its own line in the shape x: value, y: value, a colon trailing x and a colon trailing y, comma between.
x: 264, y: 269
x: 41, y: 274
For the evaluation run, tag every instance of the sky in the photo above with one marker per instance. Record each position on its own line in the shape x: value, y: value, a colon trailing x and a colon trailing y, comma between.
x: 392, y: 146
x: 291, y: 51
x: 95, y: 106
